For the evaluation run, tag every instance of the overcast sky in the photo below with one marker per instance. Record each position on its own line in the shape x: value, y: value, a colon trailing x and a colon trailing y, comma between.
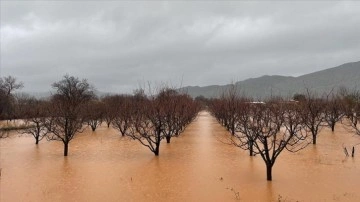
x: 118, y: 45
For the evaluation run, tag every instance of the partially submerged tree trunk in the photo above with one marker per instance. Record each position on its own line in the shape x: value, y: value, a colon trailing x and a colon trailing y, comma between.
x: 251, y: 147
x: 268, y: 172
x: 168, y: 139
x: 66, y: 148
x: 333, y: 126
x: 314, y: 139
x: 157, y: 149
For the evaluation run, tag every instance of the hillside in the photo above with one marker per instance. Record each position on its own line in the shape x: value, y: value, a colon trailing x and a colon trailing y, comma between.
x: 346, y: 75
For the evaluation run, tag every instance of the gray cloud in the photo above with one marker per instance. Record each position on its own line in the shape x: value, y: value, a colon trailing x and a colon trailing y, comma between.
x: 116, y: 45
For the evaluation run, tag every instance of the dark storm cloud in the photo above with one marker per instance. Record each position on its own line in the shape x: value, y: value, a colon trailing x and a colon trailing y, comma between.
x: 117, y: 45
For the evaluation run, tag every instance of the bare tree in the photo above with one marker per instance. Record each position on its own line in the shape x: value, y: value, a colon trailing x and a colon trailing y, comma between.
x: 110, y: 102
x: 352, y: 110
x: 313, y: 114
x: 231, y: 100
x: 272, y: 128
x: 7, y: 101
x: 245, y: 136
x: 217, y: 109
x: 185, y: 112
x: 123, y: 109
x: 94, y: 113
x: 65, y: 119
x: 153, y: 120
x: 147, y: 124
x: 34, y: 115
x: 333, y: 110
x: 269, y: 128
x: 9, y: 84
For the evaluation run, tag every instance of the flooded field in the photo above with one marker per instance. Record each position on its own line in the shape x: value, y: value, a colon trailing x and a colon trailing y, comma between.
x: 103, y: 166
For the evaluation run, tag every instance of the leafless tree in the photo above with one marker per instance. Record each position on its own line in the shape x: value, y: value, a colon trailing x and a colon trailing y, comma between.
x: 159, y: 117
x: 9, y: 84
x: 352, y: 110
x: 34, y: 115
x: 123, y: 108
x: 333, y: 110
x: 7, y: 101
x: 225, y: 109
x: 313, y: 114
x: 65, y: 119
x: 167, y: 100
x: 271, y: 128
x: 217, y: 109
x: 147, y: 124
x: 94, y: 113
x: 186, y: 111
x: 245, y: 136
x: 110, y: 102
x: 179, y: 109
x: 231, y: 101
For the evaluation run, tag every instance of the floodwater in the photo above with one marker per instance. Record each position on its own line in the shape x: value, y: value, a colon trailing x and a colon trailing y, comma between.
x: 103, y: 166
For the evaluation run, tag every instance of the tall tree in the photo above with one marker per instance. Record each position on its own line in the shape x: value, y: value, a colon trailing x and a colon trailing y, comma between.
x: 65, y: 119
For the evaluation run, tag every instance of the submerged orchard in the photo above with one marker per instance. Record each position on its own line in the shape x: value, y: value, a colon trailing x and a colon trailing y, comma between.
x: 159, y: 117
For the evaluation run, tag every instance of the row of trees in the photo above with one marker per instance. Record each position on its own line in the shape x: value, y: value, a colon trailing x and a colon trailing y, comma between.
x: 268, y: 128
x: 148, y: 119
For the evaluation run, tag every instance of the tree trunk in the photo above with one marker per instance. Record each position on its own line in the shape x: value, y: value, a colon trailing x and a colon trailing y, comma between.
x: 168, y: 139
x: 314, y: 139
x: 333, y: 127
x: 251, y: 148
x: 157, y: 149
x: 156, y: 152
x: 268, y: 172
x: 66, y: 146
x: 37, y: 140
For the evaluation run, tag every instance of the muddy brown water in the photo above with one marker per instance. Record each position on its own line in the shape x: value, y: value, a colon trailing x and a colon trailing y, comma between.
x: 103, y: 166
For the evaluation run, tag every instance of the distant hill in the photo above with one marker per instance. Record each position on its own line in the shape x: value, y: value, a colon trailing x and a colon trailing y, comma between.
x: 346, y: 75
